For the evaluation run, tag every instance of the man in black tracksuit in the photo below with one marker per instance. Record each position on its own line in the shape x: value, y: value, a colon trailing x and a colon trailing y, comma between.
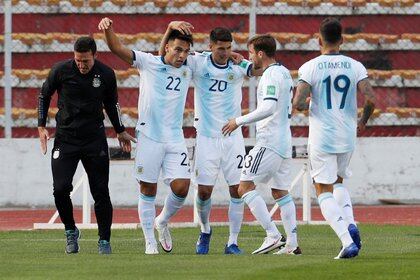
x: 85, y: 87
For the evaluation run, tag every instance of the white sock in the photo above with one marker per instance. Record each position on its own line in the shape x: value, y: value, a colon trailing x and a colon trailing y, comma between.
x: 236, y: 215
x: 342, y: 196
x: 288, y: 217
x: 147, y: 214
x: 334, y: 216
x: 203, y: 211
x: 259, y: 209
x: 172, y: 204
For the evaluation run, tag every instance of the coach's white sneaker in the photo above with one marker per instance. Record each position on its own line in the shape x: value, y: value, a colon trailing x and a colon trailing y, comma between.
x: 151, y: 248
x: 270, y: 243
x: 164, y: 237
x: 289, y: 251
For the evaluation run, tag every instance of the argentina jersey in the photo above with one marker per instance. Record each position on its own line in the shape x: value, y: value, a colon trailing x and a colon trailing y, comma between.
x: 333, y: 107
x: 217, y: 93
x: 163, y: 91
x: 276, y: 85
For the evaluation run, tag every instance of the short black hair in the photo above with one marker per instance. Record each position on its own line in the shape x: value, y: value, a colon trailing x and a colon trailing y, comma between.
x: 85, y: 44
x: 265, y: 43
x: 175, y: 34
x: 220, y: 34
x: 330, y: 30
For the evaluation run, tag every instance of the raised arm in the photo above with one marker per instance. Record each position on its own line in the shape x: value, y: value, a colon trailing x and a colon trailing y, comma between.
x: 182, y: 26
x: 113, y: 42
x: 303, y: 91
x: 366, y: 89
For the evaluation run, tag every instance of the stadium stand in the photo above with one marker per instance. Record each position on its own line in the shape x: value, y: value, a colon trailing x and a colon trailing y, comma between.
x: 382, y: 34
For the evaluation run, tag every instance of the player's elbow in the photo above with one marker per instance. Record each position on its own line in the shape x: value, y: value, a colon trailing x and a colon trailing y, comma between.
x: 299, y: 105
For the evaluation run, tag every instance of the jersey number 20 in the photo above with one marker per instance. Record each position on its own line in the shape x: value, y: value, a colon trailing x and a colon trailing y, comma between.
x: 343, y: 90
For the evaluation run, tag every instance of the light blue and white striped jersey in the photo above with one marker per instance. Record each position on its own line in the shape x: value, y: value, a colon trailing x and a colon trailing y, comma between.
x: 163, y: 91
x: 333, y: 107
x: 217, y: 93
x: 276, y: 85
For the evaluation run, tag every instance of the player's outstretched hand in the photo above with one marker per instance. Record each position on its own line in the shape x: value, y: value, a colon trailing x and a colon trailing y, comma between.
x: 43, y: 137
x: 125, y: 140
x: 229, y: 127
x: 182, y: 26
x: 105, y: 24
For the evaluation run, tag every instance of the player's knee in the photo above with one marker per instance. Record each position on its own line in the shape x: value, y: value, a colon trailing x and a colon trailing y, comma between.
x: 278, y: 194
x: 62, y: 189
x: 245, y: 187
x: 180, y: 187
x: 233, y: 191
x: 204, y: 193
x: 101, y: 197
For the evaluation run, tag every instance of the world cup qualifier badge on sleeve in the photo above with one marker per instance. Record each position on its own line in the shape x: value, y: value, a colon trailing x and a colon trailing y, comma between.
x: 271, y: 90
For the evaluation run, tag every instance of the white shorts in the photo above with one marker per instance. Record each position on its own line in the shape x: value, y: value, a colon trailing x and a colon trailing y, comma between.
x: 215, y: 154
x: 325, y: 167
x: 152, y: 157
x: 262, y: 165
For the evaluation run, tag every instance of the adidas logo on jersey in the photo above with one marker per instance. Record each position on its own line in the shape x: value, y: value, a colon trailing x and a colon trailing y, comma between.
x: 207, y: 75
x: 163, y: 69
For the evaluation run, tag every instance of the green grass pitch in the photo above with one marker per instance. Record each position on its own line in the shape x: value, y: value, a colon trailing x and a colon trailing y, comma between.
x: 389, y: 252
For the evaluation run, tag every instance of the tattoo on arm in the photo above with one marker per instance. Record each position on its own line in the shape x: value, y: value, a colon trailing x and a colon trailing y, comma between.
x: 369, y: 107
x: 302, y: 93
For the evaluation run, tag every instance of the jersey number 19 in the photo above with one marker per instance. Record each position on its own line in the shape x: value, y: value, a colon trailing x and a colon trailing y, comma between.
x: 338, y: 88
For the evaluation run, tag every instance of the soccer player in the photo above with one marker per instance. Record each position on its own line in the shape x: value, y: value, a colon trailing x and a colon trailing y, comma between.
x: 332, y: 81
x: 270, y: 159
x: 164, y: 83
x: 85, y: 87
x: 217, y: 96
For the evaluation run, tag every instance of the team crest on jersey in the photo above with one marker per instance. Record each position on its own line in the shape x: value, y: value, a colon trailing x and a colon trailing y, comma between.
x: 56, y: 154
x: 96, y: 81
x: 184, y: 74
x: 230, y: 76
x: 139, y: 169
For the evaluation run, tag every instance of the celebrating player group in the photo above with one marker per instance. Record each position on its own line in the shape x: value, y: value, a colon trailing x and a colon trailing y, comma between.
x: 327, y: 87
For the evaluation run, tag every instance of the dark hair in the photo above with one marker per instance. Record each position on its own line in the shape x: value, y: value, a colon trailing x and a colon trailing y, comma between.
x: 220, y: 34
x: 175, y: 34
x: 330, y: 30
x: 265, y: 43
x: 85, y: 44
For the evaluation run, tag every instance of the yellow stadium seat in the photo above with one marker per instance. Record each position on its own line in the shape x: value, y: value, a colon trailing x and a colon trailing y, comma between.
x: 53, y: 2
x: 77, y: 3
x: 226, y: 3
x: 267, y: 2
x: 95, y: 3
x: 120, y: 3
x: 161, y: 3
x: 313, y: 3
x: 137, y: 2
x: 413, y: 37
x: 244, y: 2
x: 295, y: 3
x: 34, y: 2
x: 180, y: 3
x: 200, y: 37
x: 240, y: 38
x: 208, y: 3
